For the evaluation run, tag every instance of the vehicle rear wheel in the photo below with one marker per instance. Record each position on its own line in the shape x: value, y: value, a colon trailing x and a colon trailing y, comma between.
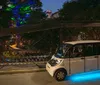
x: 60, y: 75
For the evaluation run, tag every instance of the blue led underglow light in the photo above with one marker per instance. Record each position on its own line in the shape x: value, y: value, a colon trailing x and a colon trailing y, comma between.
x: 87, y: 76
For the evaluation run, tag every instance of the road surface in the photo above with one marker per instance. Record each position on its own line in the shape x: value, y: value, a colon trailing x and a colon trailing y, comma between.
x: 36, y: 78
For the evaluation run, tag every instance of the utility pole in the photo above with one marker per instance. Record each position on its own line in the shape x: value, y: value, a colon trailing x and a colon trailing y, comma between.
x: 61, y: 33
x: 51, y: 41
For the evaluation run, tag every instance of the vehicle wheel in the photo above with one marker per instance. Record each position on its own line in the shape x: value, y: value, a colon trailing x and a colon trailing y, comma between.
x: 60, y: 75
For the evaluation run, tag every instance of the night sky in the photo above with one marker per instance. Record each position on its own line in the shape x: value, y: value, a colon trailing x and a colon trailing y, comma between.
x: 52, y: 5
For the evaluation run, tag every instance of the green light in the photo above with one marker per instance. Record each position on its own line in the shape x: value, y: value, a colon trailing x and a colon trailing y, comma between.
x: 27, y: 8
x: 21, y: 22
x: 13, y: 18
x: 27, y: 13
x: 8, y: 9
x: 11, y: 5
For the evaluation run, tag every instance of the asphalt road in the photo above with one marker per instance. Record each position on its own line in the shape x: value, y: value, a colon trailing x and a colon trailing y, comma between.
x: 36, y: 78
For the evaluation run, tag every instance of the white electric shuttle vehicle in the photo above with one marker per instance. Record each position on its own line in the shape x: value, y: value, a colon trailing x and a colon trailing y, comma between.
x: 74, y: 57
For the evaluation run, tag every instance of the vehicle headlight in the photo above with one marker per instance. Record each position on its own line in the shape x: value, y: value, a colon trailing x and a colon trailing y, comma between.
x: 59, y: 61
x: 53, y: 57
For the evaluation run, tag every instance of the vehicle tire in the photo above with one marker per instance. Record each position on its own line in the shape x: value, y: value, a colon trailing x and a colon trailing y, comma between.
x: 60, y: 75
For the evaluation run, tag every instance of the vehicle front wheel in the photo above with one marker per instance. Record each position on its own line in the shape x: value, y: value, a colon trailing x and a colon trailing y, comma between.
x: 60, y: 75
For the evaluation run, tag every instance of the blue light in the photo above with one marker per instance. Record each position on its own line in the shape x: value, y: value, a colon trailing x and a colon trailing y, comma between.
x: 18, y: 6
x: 21, y: 16
x: 15, y: 12
x: 87, y: 76
x: 27, y: 15
x: 31, y: 2
x: 14, y: 1
x: 18, y: 24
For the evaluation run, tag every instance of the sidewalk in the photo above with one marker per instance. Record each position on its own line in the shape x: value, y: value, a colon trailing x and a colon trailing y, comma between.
x: 11, y: 69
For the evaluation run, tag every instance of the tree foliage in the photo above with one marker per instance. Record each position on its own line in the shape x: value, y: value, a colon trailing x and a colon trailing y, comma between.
x: 81, y: 10
x: 36, y: 15
x: 2, y: 2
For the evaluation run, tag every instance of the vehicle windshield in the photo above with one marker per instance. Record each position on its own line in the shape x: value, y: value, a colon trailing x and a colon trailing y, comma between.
x: 62, y: 50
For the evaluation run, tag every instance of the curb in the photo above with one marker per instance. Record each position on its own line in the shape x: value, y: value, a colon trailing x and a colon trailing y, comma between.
x: 22, y: 71
x: 21, y: 63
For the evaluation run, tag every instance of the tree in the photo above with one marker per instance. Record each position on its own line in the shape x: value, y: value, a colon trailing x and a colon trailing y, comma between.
x: 70, y: 10
x: 89, y: 3
x: 21, y: 12
x: 81, y: 10
x: 5, y: 18
x: 3, y: 2
x: 36, y: 16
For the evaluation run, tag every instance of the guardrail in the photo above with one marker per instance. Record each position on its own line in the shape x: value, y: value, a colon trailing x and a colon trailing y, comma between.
x: 23, y: 58
x: 29, y: 58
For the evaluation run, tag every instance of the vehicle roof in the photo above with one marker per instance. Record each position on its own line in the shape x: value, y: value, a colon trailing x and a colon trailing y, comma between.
x: 82, y: 41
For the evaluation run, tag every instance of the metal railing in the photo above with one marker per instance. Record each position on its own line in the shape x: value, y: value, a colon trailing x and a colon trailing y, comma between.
x: 20, y: 57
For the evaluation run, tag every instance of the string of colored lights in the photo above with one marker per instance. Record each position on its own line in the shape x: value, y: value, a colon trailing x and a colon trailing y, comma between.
x: 21, y: 10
